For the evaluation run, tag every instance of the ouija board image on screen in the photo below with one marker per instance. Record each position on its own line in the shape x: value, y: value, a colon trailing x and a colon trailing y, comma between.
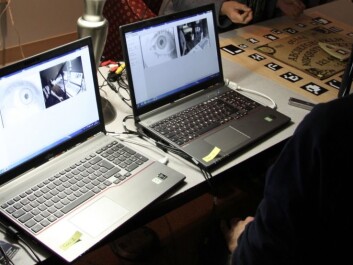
x: 305, y: 51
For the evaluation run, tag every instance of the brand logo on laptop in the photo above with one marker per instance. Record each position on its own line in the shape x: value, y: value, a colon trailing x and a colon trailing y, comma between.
x: 270, y: 118
x: 159, y: 178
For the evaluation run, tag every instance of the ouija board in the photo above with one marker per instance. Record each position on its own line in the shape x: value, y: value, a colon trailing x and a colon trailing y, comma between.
x: 304, y: 52
x: 289, y: 51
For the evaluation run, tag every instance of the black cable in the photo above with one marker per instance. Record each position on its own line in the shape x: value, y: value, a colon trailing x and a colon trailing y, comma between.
x: 128, y: 131
x: 165, y: 147
x: 115, y: 89
x: 169, y: 148
x: 14, y: 234
x: 29, y: 247
x: 112, y: 86
x: 208, y: 176
x: 7, y: 259
x: 121, y: 81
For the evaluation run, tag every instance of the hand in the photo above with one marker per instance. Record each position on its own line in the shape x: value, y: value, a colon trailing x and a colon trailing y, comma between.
x: 233, y: 232
x: 292, y: 8
x: 237, y: 12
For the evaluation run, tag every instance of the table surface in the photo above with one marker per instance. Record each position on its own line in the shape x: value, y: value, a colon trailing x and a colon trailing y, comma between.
x: 341, y: 9
x: 288, y: 52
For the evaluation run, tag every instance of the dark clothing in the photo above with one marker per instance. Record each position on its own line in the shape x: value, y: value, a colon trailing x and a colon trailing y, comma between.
x: 304, y: 217
x: 262, y: 9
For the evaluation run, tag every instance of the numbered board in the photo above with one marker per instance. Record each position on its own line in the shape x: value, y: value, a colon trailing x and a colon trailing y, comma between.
x: 295, y: 53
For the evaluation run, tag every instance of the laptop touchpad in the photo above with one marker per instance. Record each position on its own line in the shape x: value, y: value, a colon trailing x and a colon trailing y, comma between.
x: 227, y: 138
x: 99, y: 216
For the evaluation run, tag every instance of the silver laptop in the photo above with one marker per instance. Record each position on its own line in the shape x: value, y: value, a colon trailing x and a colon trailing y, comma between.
x: 63, y: 180
x: 178, y: 93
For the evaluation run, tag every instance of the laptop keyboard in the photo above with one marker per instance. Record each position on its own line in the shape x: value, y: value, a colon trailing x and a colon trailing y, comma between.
x: 187, y: 125
x: 50, y: 200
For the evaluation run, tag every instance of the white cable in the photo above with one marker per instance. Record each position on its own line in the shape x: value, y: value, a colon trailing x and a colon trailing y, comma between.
x: 236, y: 87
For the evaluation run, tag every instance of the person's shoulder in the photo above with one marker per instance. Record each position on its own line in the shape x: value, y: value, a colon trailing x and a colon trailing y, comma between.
x: 335, y: 108
x: 327, y: 117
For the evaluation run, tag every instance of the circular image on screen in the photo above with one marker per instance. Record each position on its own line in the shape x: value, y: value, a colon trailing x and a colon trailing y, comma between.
x: 20, y: 100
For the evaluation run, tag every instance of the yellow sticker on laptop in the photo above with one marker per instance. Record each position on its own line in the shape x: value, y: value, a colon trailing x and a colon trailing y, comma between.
x: 215, y: 151
x: 73, y: 240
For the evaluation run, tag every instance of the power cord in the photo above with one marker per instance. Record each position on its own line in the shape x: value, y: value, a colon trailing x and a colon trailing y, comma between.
x: 7, y: 260
x: 236, y: 87
x: 169, y: 148
x: 165, y: 148
x: 121, y: 85
x: 128, y: 131
x: 15, y: 235
x: 163, y: 160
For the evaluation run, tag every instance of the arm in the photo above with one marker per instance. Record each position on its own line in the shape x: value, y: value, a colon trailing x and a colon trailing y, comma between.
x: 306, y: 196
x: 227, y: 12
x: 280, y: 226
x: 292, y: 8
x: 233, y: 232
x: 236, y: 12
x: 267, y: 9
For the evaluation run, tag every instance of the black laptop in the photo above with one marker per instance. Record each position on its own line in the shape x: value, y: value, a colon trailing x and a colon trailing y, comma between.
x: 63, y: 180
x: 178, y: 92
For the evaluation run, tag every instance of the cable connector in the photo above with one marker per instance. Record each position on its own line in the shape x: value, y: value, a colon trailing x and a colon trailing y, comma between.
x: 231, y: 84
x: 120, y: 69
x: 236, y: 87
x: 164, y: 160
x: 112, y: 87
x: 12, y: 233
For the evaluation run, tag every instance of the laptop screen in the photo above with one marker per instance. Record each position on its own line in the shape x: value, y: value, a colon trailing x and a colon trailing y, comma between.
x: 45, y: 101
x: 170, y: 56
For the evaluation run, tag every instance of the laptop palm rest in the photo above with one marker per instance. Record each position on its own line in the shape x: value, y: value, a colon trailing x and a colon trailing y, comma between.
x: 217, y: 145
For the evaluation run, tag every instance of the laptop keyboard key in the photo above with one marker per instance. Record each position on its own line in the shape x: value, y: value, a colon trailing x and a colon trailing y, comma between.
x: 77, y: 202
x: 24, y: 218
